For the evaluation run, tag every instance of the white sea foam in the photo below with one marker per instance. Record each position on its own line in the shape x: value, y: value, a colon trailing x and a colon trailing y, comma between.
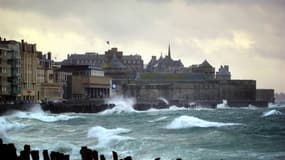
x: 274, y: 105
x: 122, y: 105
x: 108, y: 137
x: 6, y: 125
x: 158, y: 119
x: 38, y: 114
x: 271, y: 113
x: 190, y: 121
x: 223, y: 105
x: 171, y: 108
x: 164, y: 100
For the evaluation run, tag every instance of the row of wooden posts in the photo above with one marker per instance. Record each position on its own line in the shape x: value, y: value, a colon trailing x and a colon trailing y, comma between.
x: 9, y: 152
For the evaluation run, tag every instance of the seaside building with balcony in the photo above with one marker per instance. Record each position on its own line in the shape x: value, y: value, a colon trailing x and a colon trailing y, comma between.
x: 9, y: 71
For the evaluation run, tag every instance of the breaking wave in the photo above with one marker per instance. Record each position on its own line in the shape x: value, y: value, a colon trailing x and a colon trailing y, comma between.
x: 271, y: 113
x: 108, y: 137
x: 223, y: 105
x: 274, y: 105
x: 122, y: 105
x: 171, y: 108
x: 38, y: 114
x: 164, y: 100
x: 190, y: 122
x: 6, y: 125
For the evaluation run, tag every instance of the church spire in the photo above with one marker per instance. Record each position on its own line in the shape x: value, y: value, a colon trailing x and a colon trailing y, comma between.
x: 169, y: 53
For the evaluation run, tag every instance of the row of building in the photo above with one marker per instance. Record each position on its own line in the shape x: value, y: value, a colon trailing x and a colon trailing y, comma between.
x: 28, y: 75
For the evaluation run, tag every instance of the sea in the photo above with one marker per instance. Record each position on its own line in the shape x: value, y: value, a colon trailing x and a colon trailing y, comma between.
x: 197, y: 133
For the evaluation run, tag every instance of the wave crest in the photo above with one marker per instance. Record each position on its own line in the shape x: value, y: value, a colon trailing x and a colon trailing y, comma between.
x: 271, y: 113
x: 190, y: 122
x: 108, y: 137
x: 122, y: 105
x: 38, y: 114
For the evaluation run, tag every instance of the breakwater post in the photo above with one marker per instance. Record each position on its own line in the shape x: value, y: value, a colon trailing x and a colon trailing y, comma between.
x: 8, y: 151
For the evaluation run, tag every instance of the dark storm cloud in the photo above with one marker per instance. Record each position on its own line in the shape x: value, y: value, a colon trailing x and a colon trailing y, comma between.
x: 223, y: 31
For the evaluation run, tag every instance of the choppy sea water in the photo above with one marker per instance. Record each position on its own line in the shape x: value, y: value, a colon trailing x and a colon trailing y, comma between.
x: 196, y: 134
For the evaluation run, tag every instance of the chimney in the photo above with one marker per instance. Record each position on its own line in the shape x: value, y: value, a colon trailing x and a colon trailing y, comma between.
x: 0, y: 39
x: 49, y: 56
x: 23, y: 46
x: 4, y: 39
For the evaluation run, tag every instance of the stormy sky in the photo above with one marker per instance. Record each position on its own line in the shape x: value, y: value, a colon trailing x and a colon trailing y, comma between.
x: 247, y: 35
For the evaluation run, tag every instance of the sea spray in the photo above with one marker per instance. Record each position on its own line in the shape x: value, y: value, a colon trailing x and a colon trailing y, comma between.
x: 271, y: 113
x: 274, y: 105
x: 164, y: 100
x: 122, y: 105
x: 190, y: 121
x: 223, y: 105
x: 108, y: 137
x: 38, y: 114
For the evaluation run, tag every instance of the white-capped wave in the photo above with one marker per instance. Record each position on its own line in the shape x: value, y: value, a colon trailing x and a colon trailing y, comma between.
x: 274, y: 105
x: 38, y: 114
x: 6, y: 125
x: 171, y: 108
x: 158, y: 119
x: 190, y: 121
x: 271, y: 113
x: 108, y: 137
x: 223, y: 105
x: 122, y: 105
x: 164, y: 100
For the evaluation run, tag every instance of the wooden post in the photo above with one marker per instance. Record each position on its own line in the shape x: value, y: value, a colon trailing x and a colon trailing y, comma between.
x: 128, y: 158
x: 66, y: 157
x: 35, y: 155
x: 12, y: 151
x: 115, y: 155
x: 45, y: 155
x: 95, y: 155
x: 102, y: 157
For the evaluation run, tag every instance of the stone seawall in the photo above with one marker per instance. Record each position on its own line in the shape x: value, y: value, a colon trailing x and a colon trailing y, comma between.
x: 9, y: 107
x: 95, y: 107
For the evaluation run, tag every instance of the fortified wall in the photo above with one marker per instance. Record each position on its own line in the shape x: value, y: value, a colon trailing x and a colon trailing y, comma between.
x: 210, y: 92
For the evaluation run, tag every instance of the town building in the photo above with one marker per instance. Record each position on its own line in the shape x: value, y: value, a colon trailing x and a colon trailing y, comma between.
x: 48, y: 88
x: 133, y: 63
x: 29, y: 66
x: 223, y: 73
x: 87, y: 82
x: 9, y: 71
x: 166, y: 64
x: 205, y: 68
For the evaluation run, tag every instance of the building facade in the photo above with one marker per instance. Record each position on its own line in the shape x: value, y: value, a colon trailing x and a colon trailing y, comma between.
x: 9, y: 71
x: 166, y: 64
x: 223, y: 73
x: 87, y: 82
x: 133, y: 63
x: 29, y: 66
x: 48, y: 89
